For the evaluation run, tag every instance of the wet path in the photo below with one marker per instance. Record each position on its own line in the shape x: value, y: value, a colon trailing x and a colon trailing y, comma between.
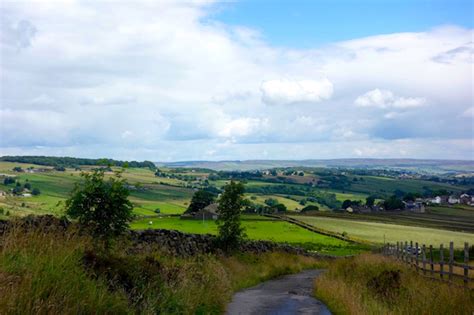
x: 290, y: 294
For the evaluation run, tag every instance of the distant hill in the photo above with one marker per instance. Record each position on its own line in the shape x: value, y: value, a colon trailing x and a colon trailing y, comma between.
x: 418, y: 165
x: 72, y: 161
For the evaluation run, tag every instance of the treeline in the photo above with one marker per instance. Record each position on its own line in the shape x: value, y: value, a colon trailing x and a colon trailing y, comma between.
x: 74, y: 162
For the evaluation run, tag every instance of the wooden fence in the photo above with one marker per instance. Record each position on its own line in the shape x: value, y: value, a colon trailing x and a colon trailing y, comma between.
x: 422, y: 258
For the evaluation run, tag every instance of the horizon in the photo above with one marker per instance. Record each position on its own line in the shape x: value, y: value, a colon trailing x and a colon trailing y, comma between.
x: 173, y: 81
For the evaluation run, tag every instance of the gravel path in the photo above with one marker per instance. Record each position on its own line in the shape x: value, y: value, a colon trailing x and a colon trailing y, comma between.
x: 290, y: 294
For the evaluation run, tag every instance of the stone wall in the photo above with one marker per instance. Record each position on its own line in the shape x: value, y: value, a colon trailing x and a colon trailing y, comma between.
x: 170, y: 241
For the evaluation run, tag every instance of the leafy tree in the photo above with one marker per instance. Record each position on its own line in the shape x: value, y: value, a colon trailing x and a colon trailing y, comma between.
x: 271, y: 202
x: 346, y: 204
x: 100, y: 205
x: 231, y: 202
x: 411, y: 196
x: 35, y: 191
x: 17, y: 169
x: 201, y: 199
x: 278, y: 208
x: 27, y: 186
x: 393, y: 203
x: 370, y: 200
x: 8, y: 180
x: 310, y: 208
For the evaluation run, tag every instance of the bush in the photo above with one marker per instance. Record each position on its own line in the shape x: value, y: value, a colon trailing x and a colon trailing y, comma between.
x: 35, y: 192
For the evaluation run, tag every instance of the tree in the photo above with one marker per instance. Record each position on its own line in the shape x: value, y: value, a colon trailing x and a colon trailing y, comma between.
x: 201, y: 199
x: 346, y: 204
x: 393, y: 203
x: 27, y: 186
x: 101, y: 206
x: 310, y: 208
x: 8, y: 180
x: 271, y: 202
x: 35, y: 192
x: 369, y: 201
x: 231, y: 202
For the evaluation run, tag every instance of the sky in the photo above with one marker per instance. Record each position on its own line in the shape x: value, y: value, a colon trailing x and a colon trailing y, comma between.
x: 206, y: 80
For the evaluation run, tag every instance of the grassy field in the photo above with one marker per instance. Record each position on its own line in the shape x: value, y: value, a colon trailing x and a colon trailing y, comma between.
x: 56, y: 186
x: 385, y: 185
x: 373, y: 284
x: 377, y: 232
x: 54, y: 273
x: 257, y: 228
x: 289, y: 203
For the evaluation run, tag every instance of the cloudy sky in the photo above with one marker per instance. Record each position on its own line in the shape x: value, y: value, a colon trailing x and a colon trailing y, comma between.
x: 175, y: 80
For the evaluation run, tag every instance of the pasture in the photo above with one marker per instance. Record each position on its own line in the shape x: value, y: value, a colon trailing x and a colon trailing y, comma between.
x: 256, y: 228
x: 378, y: 232
x: 55, y: 188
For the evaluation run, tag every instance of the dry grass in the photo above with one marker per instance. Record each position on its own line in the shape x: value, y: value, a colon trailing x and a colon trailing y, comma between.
x: 60, y: 273
x: 348, y: 288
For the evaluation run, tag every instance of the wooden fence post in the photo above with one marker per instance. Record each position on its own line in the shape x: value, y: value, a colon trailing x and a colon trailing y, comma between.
x: 406, y: 252
x: 441, y: 261
x: 466, y: 264
x: 424, y: 258
x: 411, y: 252
x: 398, y: 253
x: 451, y: 260
x: 431, y: 261
x: 416, y: 256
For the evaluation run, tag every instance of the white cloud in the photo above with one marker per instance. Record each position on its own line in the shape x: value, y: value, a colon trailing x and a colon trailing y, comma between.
x: 162, y: 80
x: 240, y: 127
x: 386, y: 99
x: 277, y: 92
x: 469, y: 113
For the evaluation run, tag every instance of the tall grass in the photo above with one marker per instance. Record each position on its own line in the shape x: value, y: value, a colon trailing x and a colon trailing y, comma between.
x: 61, y: 273
x: 373, y: 284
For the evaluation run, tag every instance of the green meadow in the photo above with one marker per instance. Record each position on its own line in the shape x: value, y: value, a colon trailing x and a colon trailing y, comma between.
x: 378, y: 232
x: 257, y: 228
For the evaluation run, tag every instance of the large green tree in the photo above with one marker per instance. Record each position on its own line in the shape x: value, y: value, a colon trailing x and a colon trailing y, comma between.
x: 231, y: 202
x: 201, y: 199
x: 101, y: 205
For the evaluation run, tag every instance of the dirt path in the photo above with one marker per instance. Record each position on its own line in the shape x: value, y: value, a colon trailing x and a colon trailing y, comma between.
x: 291, y: 294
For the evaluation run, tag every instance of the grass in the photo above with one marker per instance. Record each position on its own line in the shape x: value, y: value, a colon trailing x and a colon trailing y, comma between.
x: 56, y: 273
x: 378, y: 232
x: 56, y: 186
x: 257, y: 228
x: 373, y: 284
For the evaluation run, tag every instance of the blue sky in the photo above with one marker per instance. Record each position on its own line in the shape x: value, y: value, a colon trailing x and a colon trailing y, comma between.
x: 207, y: 80
x: 310, y: 23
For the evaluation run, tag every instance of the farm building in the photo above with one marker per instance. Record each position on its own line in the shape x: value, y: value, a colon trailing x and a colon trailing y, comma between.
x: 208, y: 213
x: 453, y: 200
x: 414, y: 206
x: 465, y: 199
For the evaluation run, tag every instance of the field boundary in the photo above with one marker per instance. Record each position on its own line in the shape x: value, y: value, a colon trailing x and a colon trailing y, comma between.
x: 416, y: 256
x: 314, y: 229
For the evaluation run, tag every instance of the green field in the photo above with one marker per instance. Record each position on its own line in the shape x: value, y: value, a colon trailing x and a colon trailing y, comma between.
x: 378, y: 232
x: 257, y: 228
x: 56, y: 186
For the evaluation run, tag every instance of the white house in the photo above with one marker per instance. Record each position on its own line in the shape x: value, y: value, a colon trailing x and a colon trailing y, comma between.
x: 436, y: 200
x: 453, y: 200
